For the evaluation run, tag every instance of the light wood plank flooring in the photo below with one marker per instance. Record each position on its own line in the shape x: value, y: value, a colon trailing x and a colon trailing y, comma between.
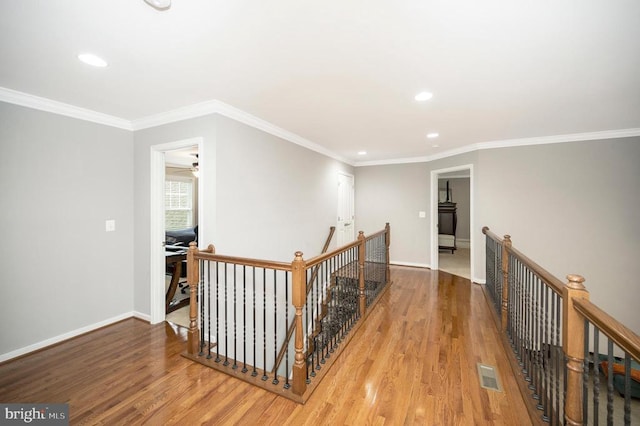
x: 413, y: 362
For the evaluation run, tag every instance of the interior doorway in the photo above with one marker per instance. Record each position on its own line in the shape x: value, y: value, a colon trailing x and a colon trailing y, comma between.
x: 346, y: 210
x: 158, y: 154
x: 452, y: 250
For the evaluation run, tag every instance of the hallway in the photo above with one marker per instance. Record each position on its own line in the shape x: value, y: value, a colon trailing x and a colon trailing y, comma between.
x: 413, y: 362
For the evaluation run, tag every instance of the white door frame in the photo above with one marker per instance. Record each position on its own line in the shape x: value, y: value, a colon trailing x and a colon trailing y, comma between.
x: 156, y: 219
x: 434, y: 215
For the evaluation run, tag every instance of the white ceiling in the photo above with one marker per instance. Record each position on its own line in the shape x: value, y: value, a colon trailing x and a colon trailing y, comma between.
x: 342, y: 74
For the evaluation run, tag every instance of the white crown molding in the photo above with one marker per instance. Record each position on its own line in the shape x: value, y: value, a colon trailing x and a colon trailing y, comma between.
x: 44, y: 104
x: 218, y: 107
x: 510, y: 143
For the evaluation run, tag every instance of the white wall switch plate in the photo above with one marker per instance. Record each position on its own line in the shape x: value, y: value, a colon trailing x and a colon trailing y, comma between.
x: 110, y: 225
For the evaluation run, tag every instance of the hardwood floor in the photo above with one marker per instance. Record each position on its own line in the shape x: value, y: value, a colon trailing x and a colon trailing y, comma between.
x: 413, y: 362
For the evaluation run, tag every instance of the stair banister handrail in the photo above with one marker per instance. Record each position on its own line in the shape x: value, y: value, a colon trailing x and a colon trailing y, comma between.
x: 314, y: 273
x: 624, y: 337
x: 322, y: 257
x: 486, y: 230
x: 292, y: 326
x: 258, y: 263
x: 554, y: 283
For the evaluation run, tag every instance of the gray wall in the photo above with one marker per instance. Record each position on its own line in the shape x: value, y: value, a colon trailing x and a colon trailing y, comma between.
x: 396, y: 194
x: 60, y: 179
x: 572, y: 207
x: 267, y: 198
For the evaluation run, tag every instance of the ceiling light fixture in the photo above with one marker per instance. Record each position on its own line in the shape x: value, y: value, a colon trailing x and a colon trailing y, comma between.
x: 93, y: 60
x: 435, y: 145
x: 195, y: 167
x: 159, y: 4
x: 424, y: 96
x: 362, y: 152
x: 433, y: 135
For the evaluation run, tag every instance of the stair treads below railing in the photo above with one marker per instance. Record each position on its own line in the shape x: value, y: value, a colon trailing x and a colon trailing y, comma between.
x: 241, y: 310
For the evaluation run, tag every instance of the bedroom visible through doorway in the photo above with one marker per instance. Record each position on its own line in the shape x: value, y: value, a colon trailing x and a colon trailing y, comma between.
x: 453, y: 249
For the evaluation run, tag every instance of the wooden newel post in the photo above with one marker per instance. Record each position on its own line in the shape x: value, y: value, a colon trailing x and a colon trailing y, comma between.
x: 506, y: 243
x: 387, y: 243
x: 192, y: 280
x: 573, y: 345
x: 299, y: 296
x: 362, y: 254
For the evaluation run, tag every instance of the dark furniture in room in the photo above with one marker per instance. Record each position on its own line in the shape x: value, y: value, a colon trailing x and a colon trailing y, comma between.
x: 447, y: 222
x: 181, y: 237
x: 176, y: 245
x: 174, y: 261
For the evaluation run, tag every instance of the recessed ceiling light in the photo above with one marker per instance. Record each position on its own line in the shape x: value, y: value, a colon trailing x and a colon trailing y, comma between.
x: 93, y: 60
x: 362, y: 152
x: 435, y: 145
x: 424, y: 96
x: 433, y: 135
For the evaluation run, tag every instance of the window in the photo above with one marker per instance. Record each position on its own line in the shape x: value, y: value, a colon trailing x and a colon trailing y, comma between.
x: 178, y: 203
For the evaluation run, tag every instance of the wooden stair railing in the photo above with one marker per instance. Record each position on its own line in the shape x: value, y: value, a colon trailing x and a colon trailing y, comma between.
x: 229, y: 296
x: 536, y: 290
x: 292, y: 326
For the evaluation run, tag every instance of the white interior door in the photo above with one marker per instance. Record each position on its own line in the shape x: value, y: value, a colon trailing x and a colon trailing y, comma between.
x: 346, y: 210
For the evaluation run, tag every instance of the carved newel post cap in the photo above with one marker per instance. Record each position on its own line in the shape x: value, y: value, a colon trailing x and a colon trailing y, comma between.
x: 575, y: 281
x: 298, y: 255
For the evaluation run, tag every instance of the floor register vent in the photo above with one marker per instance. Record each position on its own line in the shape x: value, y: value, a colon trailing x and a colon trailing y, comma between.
x: 489, y: 377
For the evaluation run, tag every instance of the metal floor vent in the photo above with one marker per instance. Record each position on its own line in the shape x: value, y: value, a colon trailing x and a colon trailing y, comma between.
x: 489, y: 377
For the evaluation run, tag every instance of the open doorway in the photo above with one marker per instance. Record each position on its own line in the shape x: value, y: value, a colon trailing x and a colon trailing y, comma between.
x: 452, y: 221
x: 181, y: 228
x: 176, y: 216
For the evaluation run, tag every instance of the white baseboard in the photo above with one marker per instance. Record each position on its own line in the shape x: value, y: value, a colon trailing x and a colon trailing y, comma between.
x: 479, y: 281
x: 416, y: 265
x: 463, y: 243
x: 62, y: 337
x: 140, y: 315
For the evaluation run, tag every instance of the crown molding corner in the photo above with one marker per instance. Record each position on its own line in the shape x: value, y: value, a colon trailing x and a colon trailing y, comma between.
x: 510, y: 143
x: 221, y: 108
x: 48, y: 105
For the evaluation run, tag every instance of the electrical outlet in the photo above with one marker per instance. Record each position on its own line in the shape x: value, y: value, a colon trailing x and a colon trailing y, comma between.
x: 422, y: 214
x: 110, y: 225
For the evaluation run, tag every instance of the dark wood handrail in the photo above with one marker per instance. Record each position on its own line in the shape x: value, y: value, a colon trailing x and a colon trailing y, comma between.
x: 626, y: 339
x: 554, y: 283
x: 292, y: 326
